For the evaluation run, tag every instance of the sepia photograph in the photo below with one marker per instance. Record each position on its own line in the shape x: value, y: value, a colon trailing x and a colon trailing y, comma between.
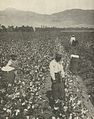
x: 46, y: 59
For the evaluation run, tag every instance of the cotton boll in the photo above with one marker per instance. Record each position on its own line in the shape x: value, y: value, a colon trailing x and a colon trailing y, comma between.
x: 56, y: 108
x: 65, y: 108
x: 17, y: 111
x: 58, y: 118
x: 23, y: 83
x: 4, y: 109
x: 33, y: 118
x: 76, y: 117
x: 27, y: 117
x: 23, y: 103
x: 70, y: 117
x: 31, y: 83
x: 33, y: 106
x: 28, y: 106
x: 79, y: 102
x: 53, y: 118
x: 8, y: 110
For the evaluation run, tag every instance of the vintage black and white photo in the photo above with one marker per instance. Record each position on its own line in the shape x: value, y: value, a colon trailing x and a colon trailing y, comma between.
x: 46, y: 59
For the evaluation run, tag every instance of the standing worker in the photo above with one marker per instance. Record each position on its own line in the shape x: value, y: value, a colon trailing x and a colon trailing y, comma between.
x: 73, y: 41
x: 57, y: 78
x: 74, y: 62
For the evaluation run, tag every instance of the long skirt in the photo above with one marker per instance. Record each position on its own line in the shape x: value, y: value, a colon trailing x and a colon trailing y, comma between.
x: 74, y: 65
x: 58, y: 88
x: 8, y: 77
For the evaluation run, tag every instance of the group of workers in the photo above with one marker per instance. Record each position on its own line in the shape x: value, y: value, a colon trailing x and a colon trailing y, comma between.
x: 57, y: 72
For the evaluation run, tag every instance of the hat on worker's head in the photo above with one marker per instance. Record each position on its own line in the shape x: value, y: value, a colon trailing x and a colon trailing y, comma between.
x: 72, y: 35
x: 58, y: 57
x: 13, y: 56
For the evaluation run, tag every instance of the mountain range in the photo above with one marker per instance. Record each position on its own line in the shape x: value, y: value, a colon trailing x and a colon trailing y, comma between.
x: 67, y: 18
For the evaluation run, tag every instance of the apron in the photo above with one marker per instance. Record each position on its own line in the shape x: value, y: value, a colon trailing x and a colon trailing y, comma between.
x: 58, y: 88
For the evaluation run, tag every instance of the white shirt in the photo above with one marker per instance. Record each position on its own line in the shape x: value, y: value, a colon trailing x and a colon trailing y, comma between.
x: 72, y: 39
x: 56, y: 67
x: 12, y: 63
x: 8, y: 67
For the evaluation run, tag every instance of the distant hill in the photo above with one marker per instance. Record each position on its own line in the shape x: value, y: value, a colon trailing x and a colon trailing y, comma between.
x: 67, y: 18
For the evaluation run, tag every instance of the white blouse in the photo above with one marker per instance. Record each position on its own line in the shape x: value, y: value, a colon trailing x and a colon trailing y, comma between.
x: 72, y: 39
x: 56, y: 67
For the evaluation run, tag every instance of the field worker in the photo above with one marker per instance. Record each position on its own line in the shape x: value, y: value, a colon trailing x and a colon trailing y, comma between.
x: 73, y: 41
x: 8, y: 71
x: 57, y: 78
x: 13, y: 61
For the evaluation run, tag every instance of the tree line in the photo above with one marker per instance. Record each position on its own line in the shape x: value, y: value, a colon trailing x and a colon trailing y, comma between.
x: 23, y: 28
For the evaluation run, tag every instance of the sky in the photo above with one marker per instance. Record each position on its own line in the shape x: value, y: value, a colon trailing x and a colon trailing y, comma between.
x: 46, y: 6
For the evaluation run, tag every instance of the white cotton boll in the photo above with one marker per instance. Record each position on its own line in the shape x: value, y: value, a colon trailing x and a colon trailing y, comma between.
x: 9, y: 85
x: 17, y: 111
x: 23, y: 95
x: 33, y: 118
x: 20, y: 100
x: 28, y: 107
x: 33, y: 106
x: 83, y: 116
x: 58, y: 118
x: 65, y: 108
x: 35, y: 89
x: 35, y: 71
x: 6, y: 117
x: 8, y: 110
x: 77, y: 90
x: 39, y: 88
x: 73, y: 104
x: 27, y: 117
x: 17, y: 94
x: 37, y: 94
x: 56, y: 108
x: 23, y: 103
x: 70, y: 81
x: 31, y: 83
x: 53, y: 118
x: 84, y: 111
x: 60, y: 114
x: 4, y: 109
x: 19, y: 81
x: 71, y: 99
x: 70, y: 117
x: 25, y: 110
x: 79, y: 102
x: 66, y: 90
x: 74, y: 107
x: 23, y: 83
